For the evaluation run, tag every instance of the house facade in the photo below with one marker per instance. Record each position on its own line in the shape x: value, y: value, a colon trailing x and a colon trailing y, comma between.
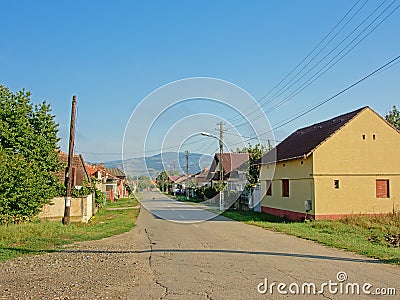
x: 343, y: 166
x: 234, y: 166
x: 79, y: 173
x: 121, y: 182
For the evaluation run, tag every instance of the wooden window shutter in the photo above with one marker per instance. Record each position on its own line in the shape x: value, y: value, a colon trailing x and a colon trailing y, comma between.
x: 285, y: 187
x: 382, y: 188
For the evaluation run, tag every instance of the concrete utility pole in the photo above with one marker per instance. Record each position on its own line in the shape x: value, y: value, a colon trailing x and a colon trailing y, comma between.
x: 221, y: 167
x: 68, y: 183
x: 221, y: 153
x: 187, y: 162
x: 221, y: 160
x: 187, y: 174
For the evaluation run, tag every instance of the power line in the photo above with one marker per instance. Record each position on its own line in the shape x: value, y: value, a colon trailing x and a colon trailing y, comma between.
x: 287, y: 121
x: 310, y: 53
x: 327, y: 66
x: 319, y: 74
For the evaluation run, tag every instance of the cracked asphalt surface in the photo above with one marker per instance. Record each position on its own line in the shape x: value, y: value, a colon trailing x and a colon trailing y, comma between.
x: 216, y: 259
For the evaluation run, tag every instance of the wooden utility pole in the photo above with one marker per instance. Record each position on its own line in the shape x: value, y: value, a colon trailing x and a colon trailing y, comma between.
x: 68, y: 183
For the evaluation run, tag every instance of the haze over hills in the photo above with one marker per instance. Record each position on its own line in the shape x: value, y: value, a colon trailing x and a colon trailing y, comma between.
x: 155, y: 164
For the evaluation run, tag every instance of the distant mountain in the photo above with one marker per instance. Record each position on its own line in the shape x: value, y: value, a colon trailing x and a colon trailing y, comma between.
x: 166, y: 161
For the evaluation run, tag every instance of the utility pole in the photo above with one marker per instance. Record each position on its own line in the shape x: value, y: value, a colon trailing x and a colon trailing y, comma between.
x: 68, y: 183
x: 221, y: 153
x: 187, y: 174
x: 187, y: 162
x: 221, y: 168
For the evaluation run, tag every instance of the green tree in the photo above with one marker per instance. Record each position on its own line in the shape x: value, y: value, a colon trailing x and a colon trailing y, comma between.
x: 28, y: 157
x: 393, y: 117
x: 162, y: 181
x: 255, y: 153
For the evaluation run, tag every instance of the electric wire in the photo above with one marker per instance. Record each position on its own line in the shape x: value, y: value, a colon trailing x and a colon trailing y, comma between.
x: 299, y: 115
x: 309, y: 54
x: 327, y: 67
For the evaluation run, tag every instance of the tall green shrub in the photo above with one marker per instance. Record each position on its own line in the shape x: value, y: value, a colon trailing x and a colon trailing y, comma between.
x: 28, y: 160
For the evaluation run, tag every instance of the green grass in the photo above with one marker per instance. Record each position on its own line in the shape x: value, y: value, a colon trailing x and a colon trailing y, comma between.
x: 42, y: 236
x: 123, y: 202
x: 359, y: 234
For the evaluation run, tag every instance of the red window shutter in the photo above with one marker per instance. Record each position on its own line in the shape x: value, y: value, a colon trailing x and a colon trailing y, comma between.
x: 285, y: 187
x: 382, y: 188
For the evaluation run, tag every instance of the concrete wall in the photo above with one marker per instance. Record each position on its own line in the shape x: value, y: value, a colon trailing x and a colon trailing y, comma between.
x: 364, y: 150
x: 82, y: 209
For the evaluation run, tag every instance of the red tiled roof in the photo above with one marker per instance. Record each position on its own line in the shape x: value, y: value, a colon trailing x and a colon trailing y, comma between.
x: 77, y: 163
x: 91, y: 169
x: 232, y: 161
x: 173, y: 178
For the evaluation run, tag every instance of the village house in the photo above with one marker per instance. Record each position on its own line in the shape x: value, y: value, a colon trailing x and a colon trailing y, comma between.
x: 78, y: 171
x: 121, y: 182
x: 112, y: 181
x: 346, y: 165
x: 234, y: 166
x: 82, y: 208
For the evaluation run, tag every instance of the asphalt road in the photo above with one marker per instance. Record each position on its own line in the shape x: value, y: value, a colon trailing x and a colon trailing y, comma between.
x: 224, y: 259
x: 187, y: 258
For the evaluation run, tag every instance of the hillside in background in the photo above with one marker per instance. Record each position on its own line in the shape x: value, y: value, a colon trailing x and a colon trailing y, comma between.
x: 154, y: 164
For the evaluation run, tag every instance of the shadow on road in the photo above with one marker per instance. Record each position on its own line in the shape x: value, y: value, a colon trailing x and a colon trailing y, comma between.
x: 221, y: 251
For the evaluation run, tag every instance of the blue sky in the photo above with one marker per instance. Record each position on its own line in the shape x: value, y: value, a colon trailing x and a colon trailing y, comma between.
x: 112, y: 54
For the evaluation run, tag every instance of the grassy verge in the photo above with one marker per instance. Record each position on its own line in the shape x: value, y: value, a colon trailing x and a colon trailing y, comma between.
x: 123, y: 202
x: 45, y: 236
x: 367, y: 236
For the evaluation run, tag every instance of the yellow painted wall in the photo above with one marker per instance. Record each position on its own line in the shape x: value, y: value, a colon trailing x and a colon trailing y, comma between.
x: 356, y: 195
x: 300, y: 184
x: 357, y: 163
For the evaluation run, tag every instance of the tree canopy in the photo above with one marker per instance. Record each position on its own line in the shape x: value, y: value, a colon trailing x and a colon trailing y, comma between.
x: 255, y: 153
x: 28, y: 157
x: 393, y: 117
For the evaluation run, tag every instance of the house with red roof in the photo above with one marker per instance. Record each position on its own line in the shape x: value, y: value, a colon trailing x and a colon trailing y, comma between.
x: 79, y: 172
x: 342, y: 166
x: 234, y: 166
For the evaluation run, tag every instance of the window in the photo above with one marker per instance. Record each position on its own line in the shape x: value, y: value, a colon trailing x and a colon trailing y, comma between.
x: 382, y: 188
x: 373, y: 136
x: 269, y: 188
x: 336, y: 183
x: 363, y: 136
x: 285, y: 187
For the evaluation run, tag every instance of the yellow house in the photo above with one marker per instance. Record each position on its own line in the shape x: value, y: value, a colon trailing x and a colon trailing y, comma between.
x: 346, y: 165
